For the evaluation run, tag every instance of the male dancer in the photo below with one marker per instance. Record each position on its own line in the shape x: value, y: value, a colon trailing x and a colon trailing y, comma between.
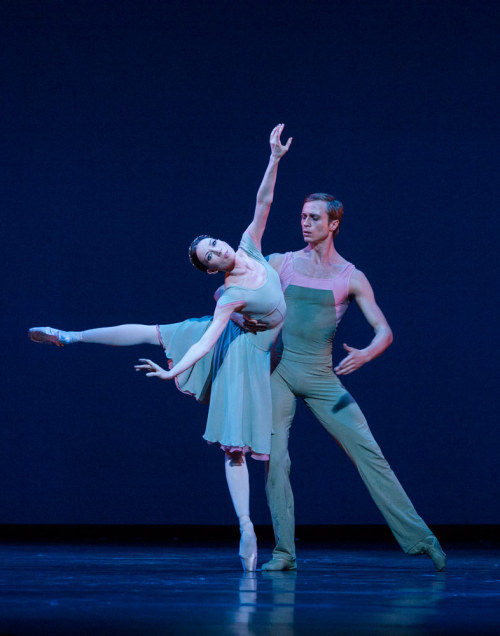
x: 318, y: 285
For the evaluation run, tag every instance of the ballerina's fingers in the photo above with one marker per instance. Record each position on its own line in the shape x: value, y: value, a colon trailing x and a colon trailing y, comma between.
x: 151, y: 367
x: 276, y: 131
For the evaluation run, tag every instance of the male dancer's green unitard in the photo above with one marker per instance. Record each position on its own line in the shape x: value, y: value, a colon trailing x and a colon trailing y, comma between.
x: 318, y: 285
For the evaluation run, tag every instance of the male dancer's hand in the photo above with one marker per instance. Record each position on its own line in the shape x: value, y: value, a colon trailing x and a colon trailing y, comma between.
x: 248, y: 324
x: 356, y: 359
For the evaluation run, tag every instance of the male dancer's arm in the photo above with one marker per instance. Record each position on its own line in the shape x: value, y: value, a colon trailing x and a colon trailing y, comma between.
x: 361, y: 290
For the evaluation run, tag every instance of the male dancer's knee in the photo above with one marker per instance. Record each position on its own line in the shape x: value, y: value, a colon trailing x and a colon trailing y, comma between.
x: 278, y: 470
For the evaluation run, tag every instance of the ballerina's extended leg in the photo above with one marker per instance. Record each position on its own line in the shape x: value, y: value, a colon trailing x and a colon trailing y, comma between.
x: 119, y: 336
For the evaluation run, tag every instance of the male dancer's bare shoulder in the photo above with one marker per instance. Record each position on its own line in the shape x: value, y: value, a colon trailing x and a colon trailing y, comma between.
x: 275, y: 260
x: 306, y: 262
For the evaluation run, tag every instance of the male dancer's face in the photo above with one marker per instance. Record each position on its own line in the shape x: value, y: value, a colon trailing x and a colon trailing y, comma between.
x: 314, y: 221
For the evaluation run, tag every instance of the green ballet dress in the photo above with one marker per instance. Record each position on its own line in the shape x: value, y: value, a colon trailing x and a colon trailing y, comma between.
x: 233, y: 378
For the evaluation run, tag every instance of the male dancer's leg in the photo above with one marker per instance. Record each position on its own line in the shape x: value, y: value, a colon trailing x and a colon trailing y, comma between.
x: 278, y: 488
x: 337, y: 411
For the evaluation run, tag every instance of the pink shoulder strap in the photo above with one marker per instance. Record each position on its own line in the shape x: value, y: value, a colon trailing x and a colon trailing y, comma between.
x: 340, y: 288
x: 340, y: 283
x: 286, y: 270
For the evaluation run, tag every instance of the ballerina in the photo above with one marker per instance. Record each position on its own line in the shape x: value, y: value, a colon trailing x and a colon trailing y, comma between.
x: 214, y: 359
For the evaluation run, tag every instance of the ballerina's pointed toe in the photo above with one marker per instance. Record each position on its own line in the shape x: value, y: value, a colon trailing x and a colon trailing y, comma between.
x: 49, y: 335
x: 248, y: 548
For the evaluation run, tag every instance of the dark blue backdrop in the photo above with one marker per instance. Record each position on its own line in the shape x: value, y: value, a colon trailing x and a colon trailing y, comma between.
x: 129, y: 127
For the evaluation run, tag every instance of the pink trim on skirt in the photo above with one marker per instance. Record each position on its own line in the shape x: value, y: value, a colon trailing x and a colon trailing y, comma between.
x: 171, y: 363
x: 158, y: 333
x: 263, y: 457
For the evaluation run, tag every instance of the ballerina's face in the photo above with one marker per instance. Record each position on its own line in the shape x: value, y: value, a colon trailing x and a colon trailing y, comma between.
x: 217, y: 255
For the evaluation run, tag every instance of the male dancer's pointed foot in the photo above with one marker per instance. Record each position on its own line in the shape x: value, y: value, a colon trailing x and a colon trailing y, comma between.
x: 49, y: 335
x: 430, y: 546
x: 276, y: 564
x: 248, y: 547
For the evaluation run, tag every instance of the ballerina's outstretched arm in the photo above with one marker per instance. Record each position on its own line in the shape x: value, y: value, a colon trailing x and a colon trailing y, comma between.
x: 266, y: 189
x: 195, y: 352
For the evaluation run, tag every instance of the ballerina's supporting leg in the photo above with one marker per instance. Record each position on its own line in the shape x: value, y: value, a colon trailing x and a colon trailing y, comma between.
x: 239, y: 488
x: 119, y: 336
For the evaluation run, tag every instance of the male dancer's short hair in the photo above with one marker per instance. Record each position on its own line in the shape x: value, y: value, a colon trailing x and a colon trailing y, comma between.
x: 334, y: 208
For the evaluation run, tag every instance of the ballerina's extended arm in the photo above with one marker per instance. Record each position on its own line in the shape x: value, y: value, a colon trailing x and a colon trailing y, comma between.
x: 263, y: 205
x: 195, y: 352
x: 266, y: 189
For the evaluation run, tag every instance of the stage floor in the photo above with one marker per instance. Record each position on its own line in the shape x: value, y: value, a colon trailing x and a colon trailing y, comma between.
x: 185, y: 587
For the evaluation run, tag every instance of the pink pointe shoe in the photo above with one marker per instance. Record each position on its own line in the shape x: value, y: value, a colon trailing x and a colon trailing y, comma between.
x: 248, y: 547
x: 48, y: 335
